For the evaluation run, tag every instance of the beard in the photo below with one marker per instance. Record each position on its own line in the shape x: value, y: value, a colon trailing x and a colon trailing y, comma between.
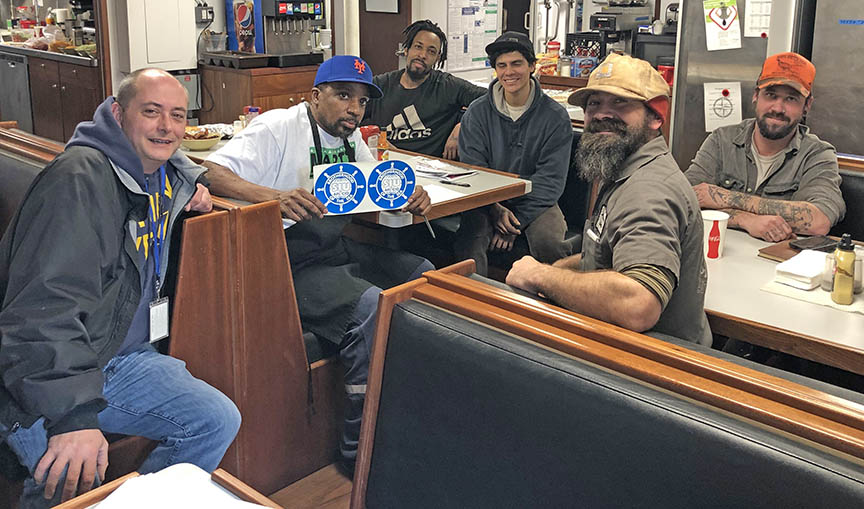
x: 775, y: 132
x: 337, y: 129
x: 417, y: 75
x: 602, y: 155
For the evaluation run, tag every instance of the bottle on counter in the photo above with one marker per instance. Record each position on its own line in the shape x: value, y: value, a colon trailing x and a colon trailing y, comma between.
x: 249, y: 114
x: 844, y: 276
x: 383, y: 145
x: 370, y: 135
x: 565, y: 66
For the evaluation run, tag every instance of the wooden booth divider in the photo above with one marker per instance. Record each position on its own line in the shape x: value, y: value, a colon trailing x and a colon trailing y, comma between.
x: 236, y: 325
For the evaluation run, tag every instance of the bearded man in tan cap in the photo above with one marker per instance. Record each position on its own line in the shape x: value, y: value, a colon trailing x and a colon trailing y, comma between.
x: 771, y: 175
x: 641, y: 265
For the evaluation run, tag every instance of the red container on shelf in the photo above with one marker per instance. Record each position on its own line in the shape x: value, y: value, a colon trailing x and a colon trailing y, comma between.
x: 668, y: 73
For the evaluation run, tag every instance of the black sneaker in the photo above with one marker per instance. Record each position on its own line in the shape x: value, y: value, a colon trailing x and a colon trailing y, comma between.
x: 346, y: 468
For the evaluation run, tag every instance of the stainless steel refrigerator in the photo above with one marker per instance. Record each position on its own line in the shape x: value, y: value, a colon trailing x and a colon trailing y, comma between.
x: 837, y: 115
x: 791, y: 29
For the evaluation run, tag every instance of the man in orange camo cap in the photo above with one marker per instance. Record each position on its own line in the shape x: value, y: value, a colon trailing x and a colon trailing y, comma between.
x: 771, y: 175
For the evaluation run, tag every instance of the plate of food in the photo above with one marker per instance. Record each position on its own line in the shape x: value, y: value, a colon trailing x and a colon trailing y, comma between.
x: 200, y: 138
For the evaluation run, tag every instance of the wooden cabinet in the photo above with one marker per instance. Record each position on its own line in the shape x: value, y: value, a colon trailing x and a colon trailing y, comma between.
x: 45, y: 97
x: 226, y: 91
x: 62, y: 95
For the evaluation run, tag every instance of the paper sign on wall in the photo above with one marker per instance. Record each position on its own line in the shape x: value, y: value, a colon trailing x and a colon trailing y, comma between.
x: 722, y: 28
x: 757, y: 18
x: 471, y: 25
x: 722, y: 104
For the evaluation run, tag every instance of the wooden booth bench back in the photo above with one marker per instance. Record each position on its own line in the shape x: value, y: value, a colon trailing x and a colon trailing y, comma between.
x: 525, y: 401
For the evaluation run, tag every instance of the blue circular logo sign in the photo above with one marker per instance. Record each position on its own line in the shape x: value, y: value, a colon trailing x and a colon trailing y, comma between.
x: 391, y: 183
x: 340, y: 188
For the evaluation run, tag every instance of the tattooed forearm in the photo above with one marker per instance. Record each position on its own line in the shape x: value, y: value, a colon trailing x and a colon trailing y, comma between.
x: 802, y: 217
x: 717, y: 195
x: 735, y: 217
x: 798, y: 215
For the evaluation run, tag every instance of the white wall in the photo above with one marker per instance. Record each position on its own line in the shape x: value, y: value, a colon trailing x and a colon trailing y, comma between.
x: 117, y: 76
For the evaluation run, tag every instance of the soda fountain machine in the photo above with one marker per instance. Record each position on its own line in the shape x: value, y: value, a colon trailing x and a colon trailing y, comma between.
x: 287, y: 32
x: 291, y: 27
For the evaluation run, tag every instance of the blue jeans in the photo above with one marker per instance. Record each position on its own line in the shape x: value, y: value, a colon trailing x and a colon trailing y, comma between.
x: 354, y: 353
x: 153, y: 396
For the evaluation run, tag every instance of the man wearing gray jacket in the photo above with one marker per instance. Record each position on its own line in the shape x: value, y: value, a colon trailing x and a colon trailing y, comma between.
x: 81, y: 271
x: 516, y: 128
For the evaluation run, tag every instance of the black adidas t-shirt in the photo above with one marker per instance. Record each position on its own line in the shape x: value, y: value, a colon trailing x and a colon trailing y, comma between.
x: 422, y: 118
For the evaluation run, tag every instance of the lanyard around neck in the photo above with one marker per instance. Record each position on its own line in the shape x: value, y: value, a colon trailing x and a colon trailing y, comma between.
x: 154, y: 215
x: 316, y: 138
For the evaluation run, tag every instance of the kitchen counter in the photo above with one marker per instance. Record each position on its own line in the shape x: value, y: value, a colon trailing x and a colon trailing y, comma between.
x: 50, y: 55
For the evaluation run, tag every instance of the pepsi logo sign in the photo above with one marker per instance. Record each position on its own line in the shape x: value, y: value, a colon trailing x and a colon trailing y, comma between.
x: 244, y: 15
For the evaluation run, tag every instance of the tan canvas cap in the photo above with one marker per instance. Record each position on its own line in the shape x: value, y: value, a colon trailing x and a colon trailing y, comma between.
x: 624, y: 76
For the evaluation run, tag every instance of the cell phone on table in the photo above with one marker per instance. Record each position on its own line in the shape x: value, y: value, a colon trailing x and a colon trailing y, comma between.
x: 816, y: 243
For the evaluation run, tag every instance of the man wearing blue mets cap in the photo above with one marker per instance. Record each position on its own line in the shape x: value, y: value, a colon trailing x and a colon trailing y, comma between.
x: 337, y: 281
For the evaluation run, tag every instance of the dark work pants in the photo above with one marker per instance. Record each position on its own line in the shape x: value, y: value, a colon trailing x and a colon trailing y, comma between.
x: 355, y: 352
x: 545, y: 236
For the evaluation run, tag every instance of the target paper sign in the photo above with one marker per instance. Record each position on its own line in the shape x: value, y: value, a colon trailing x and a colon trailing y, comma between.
x: 351, y: 188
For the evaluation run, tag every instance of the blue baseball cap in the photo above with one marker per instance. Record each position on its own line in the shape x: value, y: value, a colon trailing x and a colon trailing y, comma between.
x: 347, y: 68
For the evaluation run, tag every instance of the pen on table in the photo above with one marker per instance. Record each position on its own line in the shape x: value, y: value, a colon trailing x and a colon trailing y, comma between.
x: 451, y: 183
x: 429, y: 226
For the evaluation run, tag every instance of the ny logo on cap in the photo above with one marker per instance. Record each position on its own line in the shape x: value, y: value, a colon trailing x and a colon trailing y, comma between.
x: 360, y: 66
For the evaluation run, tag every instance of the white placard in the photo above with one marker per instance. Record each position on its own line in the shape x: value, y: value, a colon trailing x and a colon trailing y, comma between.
x: 471, y: 25
x: 351, y: 188
x: 757, y: 18
x: 382, y: 6
x: 722, y: 104
x: 722, y: 28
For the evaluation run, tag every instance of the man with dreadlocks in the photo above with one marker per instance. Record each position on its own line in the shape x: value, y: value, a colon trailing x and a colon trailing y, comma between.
x: 422, y: 106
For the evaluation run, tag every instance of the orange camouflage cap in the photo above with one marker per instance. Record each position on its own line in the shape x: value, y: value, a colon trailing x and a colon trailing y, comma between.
x: 790, y: 69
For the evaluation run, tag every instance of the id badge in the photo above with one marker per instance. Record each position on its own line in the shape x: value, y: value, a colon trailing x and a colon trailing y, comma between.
x: 158, y: 319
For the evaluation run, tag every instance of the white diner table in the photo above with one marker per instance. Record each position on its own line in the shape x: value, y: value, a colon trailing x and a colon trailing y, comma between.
x: 738, y: 308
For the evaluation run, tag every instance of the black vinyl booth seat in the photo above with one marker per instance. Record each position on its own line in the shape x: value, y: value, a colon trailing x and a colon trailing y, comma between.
x: 852, y: 188
x: 16, y: 175
x: 471, y: 416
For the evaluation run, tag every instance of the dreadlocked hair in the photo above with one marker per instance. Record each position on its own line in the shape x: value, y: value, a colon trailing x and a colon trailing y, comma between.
x: 425, y: 25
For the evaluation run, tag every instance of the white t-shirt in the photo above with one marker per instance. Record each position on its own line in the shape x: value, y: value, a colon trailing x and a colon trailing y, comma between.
x: 765, y: 165
x: 276, y: 149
